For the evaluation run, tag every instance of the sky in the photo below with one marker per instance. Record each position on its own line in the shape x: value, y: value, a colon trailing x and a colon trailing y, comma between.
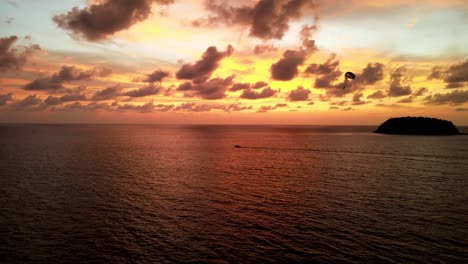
x: 232, y: 62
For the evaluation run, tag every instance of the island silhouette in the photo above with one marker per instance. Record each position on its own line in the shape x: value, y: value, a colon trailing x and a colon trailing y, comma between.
x: 417, y: 126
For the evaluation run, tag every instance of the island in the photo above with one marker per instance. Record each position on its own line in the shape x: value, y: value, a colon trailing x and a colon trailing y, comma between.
x: 417, y: 126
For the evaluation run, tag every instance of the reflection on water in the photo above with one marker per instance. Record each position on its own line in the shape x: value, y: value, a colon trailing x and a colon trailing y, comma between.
x: 164, y: 194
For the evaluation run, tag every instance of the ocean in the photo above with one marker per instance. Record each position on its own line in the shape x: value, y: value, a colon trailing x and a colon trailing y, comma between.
x: 185, y: 194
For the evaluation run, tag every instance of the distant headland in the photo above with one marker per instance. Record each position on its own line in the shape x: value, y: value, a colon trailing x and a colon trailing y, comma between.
x: 417, y: 126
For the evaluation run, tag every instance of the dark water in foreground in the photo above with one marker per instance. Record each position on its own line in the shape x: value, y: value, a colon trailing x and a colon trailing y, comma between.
x: 171, y: 194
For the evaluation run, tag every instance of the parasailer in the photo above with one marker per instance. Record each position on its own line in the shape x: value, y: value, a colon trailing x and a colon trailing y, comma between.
x: 348, y: 75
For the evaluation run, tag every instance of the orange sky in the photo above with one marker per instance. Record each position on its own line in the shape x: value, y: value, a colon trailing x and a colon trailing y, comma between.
x: 232, y: 62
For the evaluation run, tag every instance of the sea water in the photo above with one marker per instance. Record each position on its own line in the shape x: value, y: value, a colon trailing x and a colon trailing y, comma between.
x: 172, y: 194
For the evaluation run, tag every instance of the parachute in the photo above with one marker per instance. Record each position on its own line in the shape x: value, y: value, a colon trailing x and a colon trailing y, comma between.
x: 348, y: 75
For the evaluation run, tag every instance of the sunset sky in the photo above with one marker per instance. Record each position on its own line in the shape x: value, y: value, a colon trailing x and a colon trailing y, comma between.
x: 232, y: 62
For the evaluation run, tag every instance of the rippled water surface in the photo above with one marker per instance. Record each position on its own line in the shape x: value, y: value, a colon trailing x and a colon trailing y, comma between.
x: 171, y: 194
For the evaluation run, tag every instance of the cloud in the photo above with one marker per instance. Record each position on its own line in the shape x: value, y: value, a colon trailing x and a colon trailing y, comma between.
x: 264, y: 109
x: 453, y: 98
x: 53, y: 100
x: 327, y: 80
x: 420, y: 91
x: 145, y: 108
x: 330, y: 65
x: 193, y: 107
x: 372, y: 74
x: 328, y: 72
x: 107, y: 93
x: 156, y: 76
x: 397, y: 83
x: 349, y: 108
x: 252, y: 95
x: 437, y: 73
x: 461, y: 109
x: 376, y: 95
x: 9, y: 20
x: 259, y: 85
x: 287, y: 67
x: 239, y: 86
x: 211, y: 90
x: 243, y: 86
x: 236, y: 108
x: 205, y: 66
x: 267, y: 19
x: 30, y: 102
x: 390, y: 105
x: 457, y: 73
x: 357, y: 99
x: 299, y: 94
x: 68, y: 107
x: 406, y: 100
x: 455, y: 76
x: 340, y: 103
x: 115, y: 106
x: 260, y: 49
x: 14, y: 58
x: 4, y: 98
x: 104, y: 18
x: 454, y: 85
x: 144, y: 91
x: 64, y: 75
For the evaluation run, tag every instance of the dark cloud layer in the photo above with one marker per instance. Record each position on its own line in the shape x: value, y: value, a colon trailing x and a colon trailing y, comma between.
x: 205, y: 66
x: 398, y: 80
x: 243, y: 86
x: 53, y: 100
x: 239, y: 86
x: 461, y: 109
x: 104, y: 18
x: 156, y: 76
x: 438, y: 72
x: 265, y: 48
x: 457, y: 73
x: 194, y: 107
x: 373, y: 73
x: 376, y: 95
x: 455, y: 97
x: 328, y: 66
x: 30, y: 102
x: 145, y: 108
x: 455, y: 76
x: 264, y: 109
x: 66, y: 74
x: 406, y: 100
x: 251, y: 94
x: 299, y: 94
x: 287, y: 67
x: 4, y: 98
x: 211, y: 90
x: 328, y: 72
x: 144, y: 91
x: 107, y: 93
x: 14, y: 58
x: 357, y: 99
x: 420, y: 91
x: 267, y: 19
